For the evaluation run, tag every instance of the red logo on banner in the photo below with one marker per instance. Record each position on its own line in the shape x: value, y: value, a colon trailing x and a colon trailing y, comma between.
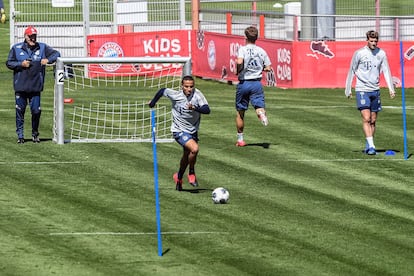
x: 320, y: 47
x: 409, y: 54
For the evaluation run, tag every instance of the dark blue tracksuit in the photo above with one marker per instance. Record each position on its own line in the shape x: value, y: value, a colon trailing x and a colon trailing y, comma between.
x: 28, y: 82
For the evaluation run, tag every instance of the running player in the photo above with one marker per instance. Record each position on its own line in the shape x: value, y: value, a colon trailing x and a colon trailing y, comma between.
x: 251, y: 61
x: 187, y: 106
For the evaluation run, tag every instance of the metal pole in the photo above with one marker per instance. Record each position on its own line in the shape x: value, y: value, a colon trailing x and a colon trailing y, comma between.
x: 59, y: 103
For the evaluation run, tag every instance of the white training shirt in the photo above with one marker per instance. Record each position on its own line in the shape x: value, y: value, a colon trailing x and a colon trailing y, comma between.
x: 185, y: 119
x: 367, y: 65
x: 255, y: 59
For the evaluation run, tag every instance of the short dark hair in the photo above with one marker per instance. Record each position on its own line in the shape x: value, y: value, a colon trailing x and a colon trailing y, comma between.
x: 251, y: 34
x: 187, y: 78
x: 372, y: 34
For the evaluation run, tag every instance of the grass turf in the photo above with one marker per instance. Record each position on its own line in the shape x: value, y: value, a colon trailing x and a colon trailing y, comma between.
x: 304, y: 199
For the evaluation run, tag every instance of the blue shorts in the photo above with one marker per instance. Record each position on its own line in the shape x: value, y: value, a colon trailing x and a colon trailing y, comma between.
x: 369, y: 100
x: 183, y: 137
x: 249, y: 91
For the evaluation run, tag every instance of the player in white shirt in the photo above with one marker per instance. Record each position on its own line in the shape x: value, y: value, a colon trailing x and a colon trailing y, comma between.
x: 187, y: 106
x: 251, y: 61
x: 367, y: 64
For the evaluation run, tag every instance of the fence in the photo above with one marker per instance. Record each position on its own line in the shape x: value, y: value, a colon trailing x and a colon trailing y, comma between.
x: 66, y: 28
x: 317, y: 27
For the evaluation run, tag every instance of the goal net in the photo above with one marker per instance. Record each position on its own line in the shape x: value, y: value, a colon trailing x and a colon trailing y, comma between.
x: 95, y: 103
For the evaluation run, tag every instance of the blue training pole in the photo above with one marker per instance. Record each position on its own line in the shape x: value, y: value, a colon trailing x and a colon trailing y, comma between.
x: 403, y: 100
x: 157, y: 198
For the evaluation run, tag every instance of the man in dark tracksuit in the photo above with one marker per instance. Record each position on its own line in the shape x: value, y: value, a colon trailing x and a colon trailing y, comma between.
x: 28, y: 60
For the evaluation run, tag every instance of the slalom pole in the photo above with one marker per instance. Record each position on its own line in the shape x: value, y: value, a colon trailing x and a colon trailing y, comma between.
x: 403, y: 101
x: 157, y: 200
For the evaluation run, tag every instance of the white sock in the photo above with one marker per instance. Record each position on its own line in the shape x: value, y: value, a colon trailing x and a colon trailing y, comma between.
x: 240, y: 137
x: 370, y: 141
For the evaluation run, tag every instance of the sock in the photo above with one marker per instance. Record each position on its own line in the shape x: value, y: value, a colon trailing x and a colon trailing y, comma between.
x: 191, y: 171
x: 180, y: 174
x: 370, y: 141
x: 240, y: 137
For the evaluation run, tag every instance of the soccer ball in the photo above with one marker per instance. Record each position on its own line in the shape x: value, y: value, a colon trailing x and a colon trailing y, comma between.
x: 220, y: 195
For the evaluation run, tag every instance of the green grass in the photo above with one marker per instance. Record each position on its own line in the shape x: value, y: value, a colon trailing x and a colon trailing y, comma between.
x: 304, y: 199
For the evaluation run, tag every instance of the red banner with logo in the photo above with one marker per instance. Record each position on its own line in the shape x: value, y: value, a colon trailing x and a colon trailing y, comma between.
x: 214, y: 56
x: 147, y: 44
x: 310, y: 64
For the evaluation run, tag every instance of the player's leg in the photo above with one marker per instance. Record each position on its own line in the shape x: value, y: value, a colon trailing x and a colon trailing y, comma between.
x: 191, y: 149
x: 242, y: 103
x: 21, y: 103
x: 240, y: 128
x: 368, y: 131
x: 36, y: 112
x: 364, y: 106
x: 376, y: 107
x: 258, y: 101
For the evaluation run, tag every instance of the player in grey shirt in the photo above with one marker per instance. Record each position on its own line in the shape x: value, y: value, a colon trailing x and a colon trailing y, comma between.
x: 367, y: 64
x: 187, y: 106
x: 251, y: 61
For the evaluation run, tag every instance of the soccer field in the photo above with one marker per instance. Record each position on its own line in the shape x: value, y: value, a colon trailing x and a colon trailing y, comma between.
x: 304, y: 199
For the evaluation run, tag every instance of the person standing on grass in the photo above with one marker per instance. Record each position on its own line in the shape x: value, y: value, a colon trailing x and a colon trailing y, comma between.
x: 28, y: 61
x: 251, y: 61
x: 2, y: 12
x: 367, y: 64
x: 187, y: 106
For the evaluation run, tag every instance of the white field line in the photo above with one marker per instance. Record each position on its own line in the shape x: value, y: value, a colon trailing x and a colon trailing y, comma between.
x: 131, y: 233
x: 331, y: 106
x: 41, y: 162
x: 343, y: 160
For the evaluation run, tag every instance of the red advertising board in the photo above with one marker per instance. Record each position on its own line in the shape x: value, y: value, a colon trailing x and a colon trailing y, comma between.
x: 214, y: 56
x: 147, y: 44
x: 325, y: 64
x: 310, y: 64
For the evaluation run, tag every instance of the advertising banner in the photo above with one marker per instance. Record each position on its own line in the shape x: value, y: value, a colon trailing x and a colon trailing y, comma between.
x: 295, y: 64
x: 214, y: 56
x: 147, y: 44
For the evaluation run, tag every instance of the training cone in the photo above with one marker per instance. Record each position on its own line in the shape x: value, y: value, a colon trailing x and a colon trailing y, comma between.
x: 389, y: 152
x: 68, y: 100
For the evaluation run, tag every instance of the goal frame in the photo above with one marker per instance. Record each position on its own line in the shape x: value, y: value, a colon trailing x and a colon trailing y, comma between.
x: 59, y: 128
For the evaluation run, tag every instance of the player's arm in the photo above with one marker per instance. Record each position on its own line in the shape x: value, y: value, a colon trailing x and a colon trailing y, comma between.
x: 240, y: 65
x: 350, y: 76
x: 157, y: 96
x: 388, y: 77
x: 204, y: 109
x: 267, y: 66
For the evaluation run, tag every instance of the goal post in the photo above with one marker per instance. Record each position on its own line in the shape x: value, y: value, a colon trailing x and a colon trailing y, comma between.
x: 112, y: 107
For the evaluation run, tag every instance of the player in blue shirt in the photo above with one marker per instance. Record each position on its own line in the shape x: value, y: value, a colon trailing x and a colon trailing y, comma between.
x: 367, y: 64
x: 187, y: 106
x: 251, y: 61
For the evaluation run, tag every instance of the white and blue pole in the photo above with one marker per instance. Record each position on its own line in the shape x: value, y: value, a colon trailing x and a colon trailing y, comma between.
x: 403, y: 101
x: 157, y: 197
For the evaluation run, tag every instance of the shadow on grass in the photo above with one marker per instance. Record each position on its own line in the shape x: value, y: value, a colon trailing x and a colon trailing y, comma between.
x: 263, y: 145
x: 197, y: 190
